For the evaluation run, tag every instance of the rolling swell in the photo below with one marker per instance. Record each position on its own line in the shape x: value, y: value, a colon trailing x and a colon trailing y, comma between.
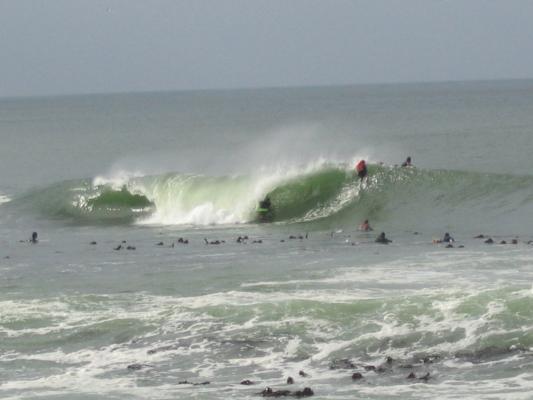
x: 324, y: 197
x: 79, y: 201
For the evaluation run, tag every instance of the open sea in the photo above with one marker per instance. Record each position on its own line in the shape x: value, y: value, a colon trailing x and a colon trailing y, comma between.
x: 138, y: 288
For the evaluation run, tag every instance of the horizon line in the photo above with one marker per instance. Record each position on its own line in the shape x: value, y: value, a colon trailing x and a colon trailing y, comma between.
x: 252, y: 88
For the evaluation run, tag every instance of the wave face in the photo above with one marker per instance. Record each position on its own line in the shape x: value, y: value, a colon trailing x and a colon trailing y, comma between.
x: 328, y: 195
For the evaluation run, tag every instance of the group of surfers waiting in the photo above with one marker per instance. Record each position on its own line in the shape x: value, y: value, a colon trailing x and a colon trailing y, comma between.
x: 365, y: 227
x: 362, y: 173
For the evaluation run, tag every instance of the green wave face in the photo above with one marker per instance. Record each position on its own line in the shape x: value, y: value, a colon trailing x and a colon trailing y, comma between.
x: 112, y: 199
x: 82, y: 203
x: 310, y: 196
x: 330, y: 196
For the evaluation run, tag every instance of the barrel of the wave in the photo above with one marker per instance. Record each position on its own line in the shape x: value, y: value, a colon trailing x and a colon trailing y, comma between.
x: 265, y: 212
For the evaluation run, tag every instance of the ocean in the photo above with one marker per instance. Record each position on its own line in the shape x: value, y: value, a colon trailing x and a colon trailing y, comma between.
x: 154, y: 276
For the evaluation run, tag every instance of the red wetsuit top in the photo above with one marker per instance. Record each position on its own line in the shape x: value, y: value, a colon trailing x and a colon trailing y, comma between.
x: 361, y: 165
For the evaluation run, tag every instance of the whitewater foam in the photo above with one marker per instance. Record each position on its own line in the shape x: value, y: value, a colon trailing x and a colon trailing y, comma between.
x: 202, y: 200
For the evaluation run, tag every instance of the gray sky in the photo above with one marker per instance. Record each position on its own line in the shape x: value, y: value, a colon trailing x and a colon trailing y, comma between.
x: 86, y: 46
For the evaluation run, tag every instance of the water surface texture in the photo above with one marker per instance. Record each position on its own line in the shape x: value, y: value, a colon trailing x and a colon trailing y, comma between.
x: 138, y: 287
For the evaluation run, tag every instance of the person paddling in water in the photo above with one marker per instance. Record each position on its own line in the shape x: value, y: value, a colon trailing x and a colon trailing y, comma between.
x: 407, y: 162
x: 447, y: 238
x: 365, y: 226
x: 383, y: 239
x: 362, y: 171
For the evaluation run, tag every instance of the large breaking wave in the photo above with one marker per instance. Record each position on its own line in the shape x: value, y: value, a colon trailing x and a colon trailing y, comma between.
x: 329, y: 195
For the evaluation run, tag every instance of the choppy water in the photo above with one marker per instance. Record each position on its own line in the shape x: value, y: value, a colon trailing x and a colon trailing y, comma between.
x: 81, y: 320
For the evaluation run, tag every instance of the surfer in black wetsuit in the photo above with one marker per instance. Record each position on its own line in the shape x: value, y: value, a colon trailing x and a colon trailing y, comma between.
x: 265, y: 212
x: 266, y: 204
x: 382, y: 239
x: 407, y: 162
x: 447, y: 238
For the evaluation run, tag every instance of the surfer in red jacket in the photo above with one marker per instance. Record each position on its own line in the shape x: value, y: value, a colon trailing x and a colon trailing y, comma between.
x: 365, y: 226
x: 362, y: 172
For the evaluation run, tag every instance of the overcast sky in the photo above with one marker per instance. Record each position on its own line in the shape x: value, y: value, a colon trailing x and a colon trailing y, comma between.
x: 86, y: 46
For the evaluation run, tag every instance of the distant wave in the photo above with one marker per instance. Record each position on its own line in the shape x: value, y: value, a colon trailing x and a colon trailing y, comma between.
x: 4, y: 199
x: 325, y: 194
